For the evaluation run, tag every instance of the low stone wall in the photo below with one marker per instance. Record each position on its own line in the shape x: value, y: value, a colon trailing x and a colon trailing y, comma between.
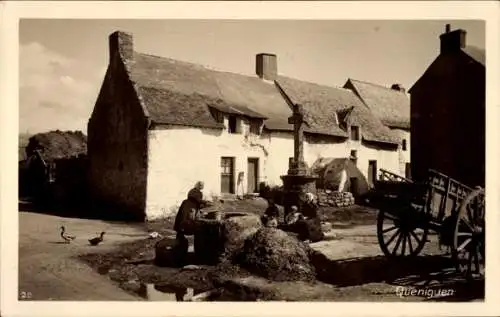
x: 335, y: 199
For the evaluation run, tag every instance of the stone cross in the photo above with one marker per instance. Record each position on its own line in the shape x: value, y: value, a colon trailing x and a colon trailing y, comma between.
x: 297, y: 119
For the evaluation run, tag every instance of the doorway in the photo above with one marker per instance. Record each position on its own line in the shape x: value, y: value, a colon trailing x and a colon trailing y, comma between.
x: 227, y: 175
x: 253, y: 175
x: 408, y: 170
x: 372, y: 172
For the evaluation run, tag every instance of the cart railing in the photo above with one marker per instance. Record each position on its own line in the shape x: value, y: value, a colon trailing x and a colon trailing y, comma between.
x: 439, y: 197
x: 385, y: 175
x: 444, y: 195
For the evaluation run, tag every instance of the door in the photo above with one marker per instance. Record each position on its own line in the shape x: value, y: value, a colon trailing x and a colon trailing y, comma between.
x: 372, y: 172
x: 253, y: 175
x: 227, y: 175
x: 408, y: 170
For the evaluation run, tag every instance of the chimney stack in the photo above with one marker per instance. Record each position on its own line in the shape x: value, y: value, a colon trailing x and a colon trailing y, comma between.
x: 398, y: 87
x: 452, y: 41
x: 121, y: 43
x: 266, y: 66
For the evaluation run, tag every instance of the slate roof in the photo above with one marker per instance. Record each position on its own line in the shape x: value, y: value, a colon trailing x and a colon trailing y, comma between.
x: 389, y: 105
x: 476, y: 53
x: 181, y: 93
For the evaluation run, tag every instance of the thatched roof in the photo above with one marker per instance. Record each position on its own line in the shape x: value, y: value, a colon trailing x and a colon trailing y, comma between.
x: 169, y: 107
x: 389, y: 105
x: 320, y: 104
x: 58, y: 144
x: 323, y: 105
x: 183, y: 83
x: 181, y: 93
x: 372, y: 129
x: 23, y: 142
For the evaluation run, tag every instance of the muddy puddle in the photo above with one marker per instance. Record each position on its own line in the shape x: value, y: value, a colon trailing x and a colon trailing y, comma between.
x: 171, y: 293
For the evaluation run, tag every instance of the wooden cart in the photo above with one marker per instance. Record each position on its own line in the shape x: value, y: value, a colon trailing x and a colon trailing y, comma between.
x: 409, y: 211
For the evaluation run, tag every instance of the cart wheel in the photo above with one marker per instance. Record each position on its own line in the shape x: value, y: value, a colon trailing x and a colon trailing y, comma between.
x: 469, y: 239
x: 399, y: 233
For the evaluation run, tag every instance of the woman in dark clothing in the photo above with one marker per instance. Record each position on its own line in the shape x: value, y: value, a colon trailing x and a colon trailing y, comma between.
x: 309, y: 227
x: 310, y: 208
x: 185, y: 221
x: 189, y: 210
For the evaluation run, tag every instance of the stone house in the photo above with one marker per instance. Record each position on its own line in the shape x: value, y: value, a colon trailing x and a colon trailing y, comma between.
x: 392, y: 106
x: 159, y: 125
x: 448, y: 108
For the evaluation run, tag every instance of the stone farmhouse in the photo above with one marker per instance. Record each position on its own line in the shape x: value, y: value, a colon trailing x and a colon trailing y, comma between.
x: 159, y: 125
x: 448, y: 107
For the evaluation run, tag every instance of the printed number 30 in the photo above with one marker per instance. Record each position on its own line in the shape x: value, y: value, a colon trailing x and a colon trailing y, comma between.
x: 25, y: 295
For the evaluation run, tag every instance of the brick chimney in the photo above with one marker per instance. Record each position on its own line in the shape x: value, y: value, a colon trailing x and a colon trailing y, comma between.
x: 452, y: 41
x: 398, y: 87
x: 121, y: 43
x: 266, y: 66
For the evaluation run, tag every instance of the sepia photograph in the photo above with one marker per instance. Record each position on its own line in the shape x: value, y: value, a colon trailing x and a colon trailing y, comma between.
x: 252, y: 160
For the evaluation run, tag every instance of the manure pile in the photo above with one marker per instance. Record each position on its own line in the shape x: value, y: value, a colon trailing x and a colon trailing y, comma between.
x: 276, y: 255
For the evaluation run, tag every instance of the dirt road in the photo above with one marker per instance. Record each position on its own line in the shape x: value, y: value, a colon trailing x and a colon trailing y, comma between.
x: 354, y: 268
x: 48, y: 269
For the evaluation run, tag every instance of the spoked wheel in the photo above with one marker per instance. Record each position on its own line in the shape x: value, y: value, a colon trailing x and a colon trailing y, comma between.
x: 399, y: 233
x: 469, y: 239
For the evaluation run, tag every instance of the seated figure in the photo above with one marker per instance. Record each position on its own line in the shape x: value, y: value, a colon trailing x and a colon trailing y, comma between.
x: 271, y: 215
x: 306, y: 223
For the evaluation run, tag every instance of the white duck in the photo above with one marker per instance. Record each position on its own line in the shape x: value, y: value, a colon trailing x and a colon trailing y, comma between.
x: 66, y: 236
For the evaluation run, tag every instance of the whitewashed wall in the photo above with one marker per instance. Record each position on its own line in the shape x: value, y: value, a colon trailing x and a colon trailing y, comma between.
x: 404, y: 156
x: 281, y: 149
x: 180, y: 156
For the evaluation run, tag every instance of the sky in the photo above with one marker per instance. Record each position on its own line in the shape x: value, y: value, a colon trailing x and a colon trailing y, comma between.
x: 63, y: 62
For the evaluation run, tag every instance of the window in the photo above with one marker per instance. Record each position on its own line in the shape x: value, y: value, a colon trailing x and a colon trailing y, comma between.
x: 219, y: 117
x: 255, y: 126
x: 403, y: 146
x: 354, y: 156
x: 227, y: 174
x: 232, y: 124
x: 355, y: 133
x: 226, y: 165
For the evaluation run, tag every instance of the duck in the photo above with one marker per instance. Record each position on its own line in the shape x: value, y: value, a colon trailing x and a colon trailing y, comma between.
x: 66, y: 236
x: 97, y: 240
